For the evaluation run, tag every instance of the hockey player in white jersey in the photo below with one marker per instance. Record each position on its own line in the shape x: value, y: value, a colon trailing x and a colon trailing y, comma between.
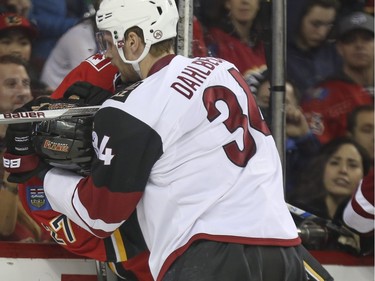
x: 187, y: 151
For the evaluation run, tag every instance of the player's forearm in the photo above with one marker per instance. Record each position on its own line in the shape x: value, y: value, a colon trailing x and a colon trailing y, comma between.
x: 83, y: 202
x: 59, y: 187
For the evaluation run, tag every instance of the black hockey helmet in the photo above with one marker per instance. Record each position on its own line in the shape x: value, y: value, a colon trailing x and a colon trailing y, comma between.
x: 65, y: 143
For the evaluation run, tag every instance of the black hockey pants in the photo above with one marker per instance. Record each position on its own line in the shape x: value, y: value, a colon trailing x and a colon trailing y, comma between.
x: 215, y: 261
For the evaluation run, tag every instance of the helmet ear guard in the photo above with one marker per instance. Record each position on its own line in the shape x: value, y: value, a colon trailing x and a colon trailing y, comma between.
x: 65, y: 143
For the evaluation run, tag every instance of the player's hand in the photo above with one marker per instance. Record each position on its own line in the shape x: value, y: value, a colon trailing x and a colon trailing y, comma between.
x: 20, y: 159
x: 87, y: 93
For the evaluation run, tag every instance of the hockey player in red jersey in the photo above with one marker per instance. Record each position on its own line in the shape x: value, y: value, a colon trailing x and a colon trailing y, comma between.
x: 95, y: 70
x: 124, y: 259
x: 185, y: 154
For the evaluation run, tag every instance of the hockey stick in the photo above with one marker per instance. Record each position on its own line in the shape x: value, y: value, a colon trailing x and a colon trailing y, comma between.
x: 44, y: 115
x: 101, y: 270
x: 314, y: 270
x: 327, y: 223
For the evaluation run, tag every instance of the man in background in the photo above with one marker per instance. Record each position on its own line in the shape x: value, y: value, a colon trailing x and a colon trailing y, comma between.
x: 328, y: 104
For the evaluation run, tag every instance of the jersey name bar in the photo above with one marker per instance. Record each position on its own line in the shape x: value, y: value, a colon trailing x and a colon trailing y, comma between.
x: 192, y: 77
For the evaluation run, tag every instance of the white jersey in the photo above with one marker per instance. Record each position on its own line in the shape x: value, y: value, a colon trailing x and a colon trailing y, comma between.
x: 360, y: 211
x: 188, y: 149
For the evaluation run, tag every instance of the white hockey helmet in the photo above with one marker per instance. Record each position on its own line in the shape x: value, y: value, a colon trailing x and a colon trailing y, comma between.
x: 157, y: 19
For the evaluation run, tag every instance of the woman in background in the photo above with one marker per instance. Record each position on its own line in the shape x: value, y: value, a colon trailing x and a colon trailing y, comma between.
x: 331, y: 178
x: 234, y: 33
x: 326, y: 185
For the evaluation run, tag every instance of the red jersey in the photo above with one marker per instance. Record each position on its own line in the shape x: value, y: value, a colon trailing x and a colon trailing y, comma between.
x: 125, y: 250
x: 327, y: 106
x: 118, y: 249
x: 250, y: 60
x: 96, y: 70
x: 199, y: 46
x: 22, y: 233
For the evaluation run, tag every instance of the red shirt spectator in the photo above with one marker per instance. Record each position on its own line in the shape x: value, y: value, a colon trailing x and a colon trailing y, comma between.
x: 327, y: 106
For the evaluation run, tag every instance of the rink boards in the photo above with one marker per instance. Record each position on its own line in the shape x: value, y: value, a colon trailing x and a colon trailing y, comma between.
x: 50, y: 262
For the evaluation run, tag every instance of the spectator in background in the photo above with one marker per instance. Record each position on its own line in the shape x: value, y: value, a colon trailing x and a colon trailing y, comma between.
x: 234, y: 34
x: 360, y: 127
x: 349, y: 6
x: 327, y: 106
x: 53, y: 18
x: 21, y: 7
x: 17, y: 35
x: 369, y: 7
x: 14, y: 83
x: 328, y: 182
x: 310, y: 56
x: 326, y: 185
x: 66, y: 55
x: 301, y: 144
x: 356, y: 46
x: 14, y: 92
x: 199, y: 48
x: 15, y: 224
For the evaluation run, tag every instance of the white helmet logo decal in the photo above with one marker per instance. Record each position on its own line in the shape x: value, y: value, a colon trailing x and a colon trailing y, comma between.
x: 158, y: 34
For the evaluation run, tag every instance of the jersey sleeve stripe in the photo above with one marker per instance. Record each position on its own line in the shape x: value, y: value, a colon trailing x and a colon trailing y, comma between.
x: 64, y: 192
x: 356, y: 221
x: 362, y: 205
x: 119, y: 246
x: 98, y: 227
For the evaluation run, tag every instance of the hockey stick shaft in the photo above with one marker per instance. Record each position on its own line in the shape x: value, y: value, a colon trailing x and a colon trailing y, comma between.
x: 300, y: 213
x: 44, y: 115
x: 306, y: 215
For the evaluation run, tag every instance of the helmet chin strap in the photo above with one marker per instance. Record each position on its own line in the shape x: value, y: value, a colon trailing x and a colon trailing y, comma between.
x: 135, y: 63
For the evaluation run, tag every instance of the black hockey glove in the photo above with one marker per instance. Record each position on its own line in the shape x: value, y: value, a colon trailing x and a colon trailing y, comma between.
x: 87, y: 93
x: 20, y: 159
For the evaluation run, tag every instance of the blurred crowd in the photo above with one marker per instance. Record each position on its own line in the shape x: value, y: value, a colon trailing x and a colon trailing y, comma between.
x: 329, y: 91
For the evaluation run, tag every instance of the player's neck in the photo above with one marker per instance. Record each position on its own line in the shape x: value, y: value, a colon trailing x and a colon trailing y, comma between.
x: 147, y: 63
